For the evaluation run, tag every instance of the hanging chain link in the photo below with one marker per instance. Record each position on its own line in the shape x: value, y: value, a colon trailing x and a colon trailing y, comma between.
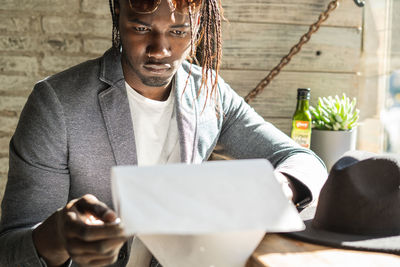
x: 293, y: 51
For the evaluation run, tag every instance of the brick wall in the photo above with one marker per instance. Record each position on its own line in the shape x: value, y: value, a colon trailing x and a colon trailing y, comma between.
x: 39, y: 38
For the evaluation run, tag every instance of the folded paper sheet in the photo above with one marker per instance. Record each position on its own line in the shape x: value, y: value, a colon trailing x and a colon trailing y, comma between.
x: 213, y: 214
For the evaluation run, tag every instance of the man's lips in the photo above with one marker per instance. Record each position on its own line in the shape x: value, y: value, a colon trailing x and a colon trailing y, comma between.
x: 157, y: 68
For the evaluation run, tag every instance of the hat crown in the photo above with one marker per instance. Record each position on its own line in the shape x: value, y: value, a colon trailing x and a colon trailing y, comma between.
x: 361, y: 197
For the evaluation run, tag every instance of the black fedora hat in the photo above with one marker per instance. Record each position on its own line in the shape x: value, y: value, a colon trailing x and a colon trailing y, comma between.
x: 359, y: 205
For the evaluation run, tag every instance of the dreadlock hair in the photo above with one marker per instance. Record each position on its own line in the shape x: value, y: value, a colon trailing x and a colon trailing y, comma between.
x: 210, y: 45
x: 116, y: 38
x: 206, y: 44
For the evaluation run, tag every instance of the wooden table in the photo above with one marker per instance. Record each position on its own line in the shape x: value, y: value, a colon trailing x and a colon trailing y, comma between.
x: 280, y: 251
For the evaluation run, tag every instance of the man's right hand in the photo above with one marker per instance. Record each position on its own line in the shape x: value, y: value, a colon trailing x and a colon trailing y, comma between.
x: 85, y: 230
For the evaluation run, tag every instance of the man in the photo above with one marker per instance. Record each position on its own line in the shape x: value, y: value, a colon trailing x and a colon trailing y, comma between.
x: 141, y: 103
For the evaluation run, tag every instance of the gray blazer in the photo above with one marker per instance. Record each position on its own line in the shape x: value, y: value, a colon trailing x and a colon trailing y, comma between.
x: 76, y: 125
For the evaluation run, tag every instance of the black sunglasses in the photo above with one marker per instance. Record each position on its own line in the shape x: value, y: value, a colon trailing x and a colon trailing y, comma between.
x: 149, y: 6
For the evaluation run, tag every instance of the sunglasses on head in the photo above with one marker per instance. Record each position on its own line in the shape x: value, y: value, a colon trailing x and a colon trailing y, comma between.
x: 180, y: 6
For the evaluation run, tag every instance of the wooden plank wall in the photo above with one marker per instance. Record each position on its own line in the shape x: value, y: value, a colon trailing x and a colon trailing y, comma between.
x: 395, y: 42
x: 375, y: 69
x: 259, y: 33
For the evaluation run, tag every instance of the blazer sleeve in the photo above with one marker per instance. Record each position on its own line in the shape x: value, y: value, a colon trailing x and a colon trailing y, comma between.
x: 245, y: 134
x: 38, y: 178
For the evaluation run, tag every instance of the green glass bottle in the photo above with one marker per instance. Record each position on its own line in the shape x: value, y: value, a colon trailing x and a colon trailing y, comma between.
x: 301, y: 121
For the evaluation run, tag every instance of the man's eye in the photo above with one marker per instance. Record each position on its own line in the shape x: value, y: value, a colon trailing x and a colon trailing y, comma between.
x: 179, y: 33
x: 141, y: 29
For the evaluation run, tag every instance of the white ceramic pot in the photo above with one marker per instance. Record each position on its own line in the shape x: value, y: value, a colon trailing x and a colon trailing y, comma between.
x: 331, y: 145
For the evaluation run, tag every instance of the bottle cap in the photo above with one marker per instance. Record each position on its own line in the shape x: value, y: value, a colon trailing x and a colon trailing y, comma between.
x: 303, y: 93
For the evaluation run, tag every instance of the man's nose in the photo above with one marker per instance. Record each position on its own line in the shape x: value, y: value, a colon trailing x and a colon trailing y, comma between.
x: 159, y: 46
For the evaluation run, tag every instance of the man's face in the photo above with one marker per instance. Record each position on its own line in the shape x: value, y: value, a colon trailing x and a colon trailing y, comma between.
x: 153, y: 45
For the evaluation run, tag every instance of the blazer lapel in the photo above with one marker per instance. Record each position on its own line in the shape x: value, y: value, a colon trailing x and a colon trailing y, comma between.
x: 115, y: 110
x: 186, y: 115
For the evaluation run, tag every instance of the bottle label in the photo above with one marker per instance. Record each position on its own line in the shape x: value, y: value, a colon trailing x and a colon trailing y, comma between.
x: 301, y: 133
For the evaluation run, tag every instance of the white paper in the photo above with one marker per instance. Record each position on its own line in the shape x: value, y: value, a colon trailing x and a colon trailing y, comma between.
x: 213, y: 214
x: 228, y: 249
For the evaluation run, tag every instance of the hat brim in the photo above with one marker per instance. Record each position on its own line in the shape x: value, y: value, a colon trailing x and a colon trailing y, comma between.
x: 387, y: 244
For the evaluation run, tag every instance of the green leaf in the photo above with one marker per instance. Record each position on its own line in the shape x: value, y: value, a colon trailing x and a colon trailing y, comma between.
x: 314, y: 113
x: 325, y: 119
x: 335, y: 113
x: 336, y: 126
x: 338, y: 118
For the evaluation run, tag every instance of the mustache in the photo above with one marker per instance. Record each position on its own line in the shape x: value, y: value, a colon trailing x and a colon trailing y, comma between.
x: 157, y: 61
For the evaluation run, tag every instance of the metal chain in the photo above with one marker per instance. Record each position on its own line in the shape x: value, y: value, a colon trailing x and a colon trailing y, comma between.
x: 293, y: 51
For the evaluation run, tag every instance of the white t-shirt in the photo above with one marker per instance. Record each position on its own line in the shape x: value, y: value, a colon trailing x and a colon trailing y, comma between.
x: 155, y: 128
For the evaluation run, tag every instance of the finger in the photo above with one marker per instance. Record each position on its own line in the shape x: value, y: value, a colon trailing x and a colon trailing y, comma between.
x: 89, y: 259
x: 71, y: 203
x: 76, y: 228
x: 285, y: 183
x: 287, y: 191
x: 90, y: 204
x: 103, y: 247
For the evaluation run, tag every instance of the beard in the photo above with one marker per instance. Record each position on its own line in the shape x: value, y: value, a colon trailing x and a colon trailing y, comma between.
x: 153, y: 81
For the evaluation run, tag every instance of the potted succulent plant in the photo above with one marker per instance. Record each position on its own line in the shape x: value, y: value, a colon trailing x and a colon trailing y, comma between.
x: 334, y: 132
